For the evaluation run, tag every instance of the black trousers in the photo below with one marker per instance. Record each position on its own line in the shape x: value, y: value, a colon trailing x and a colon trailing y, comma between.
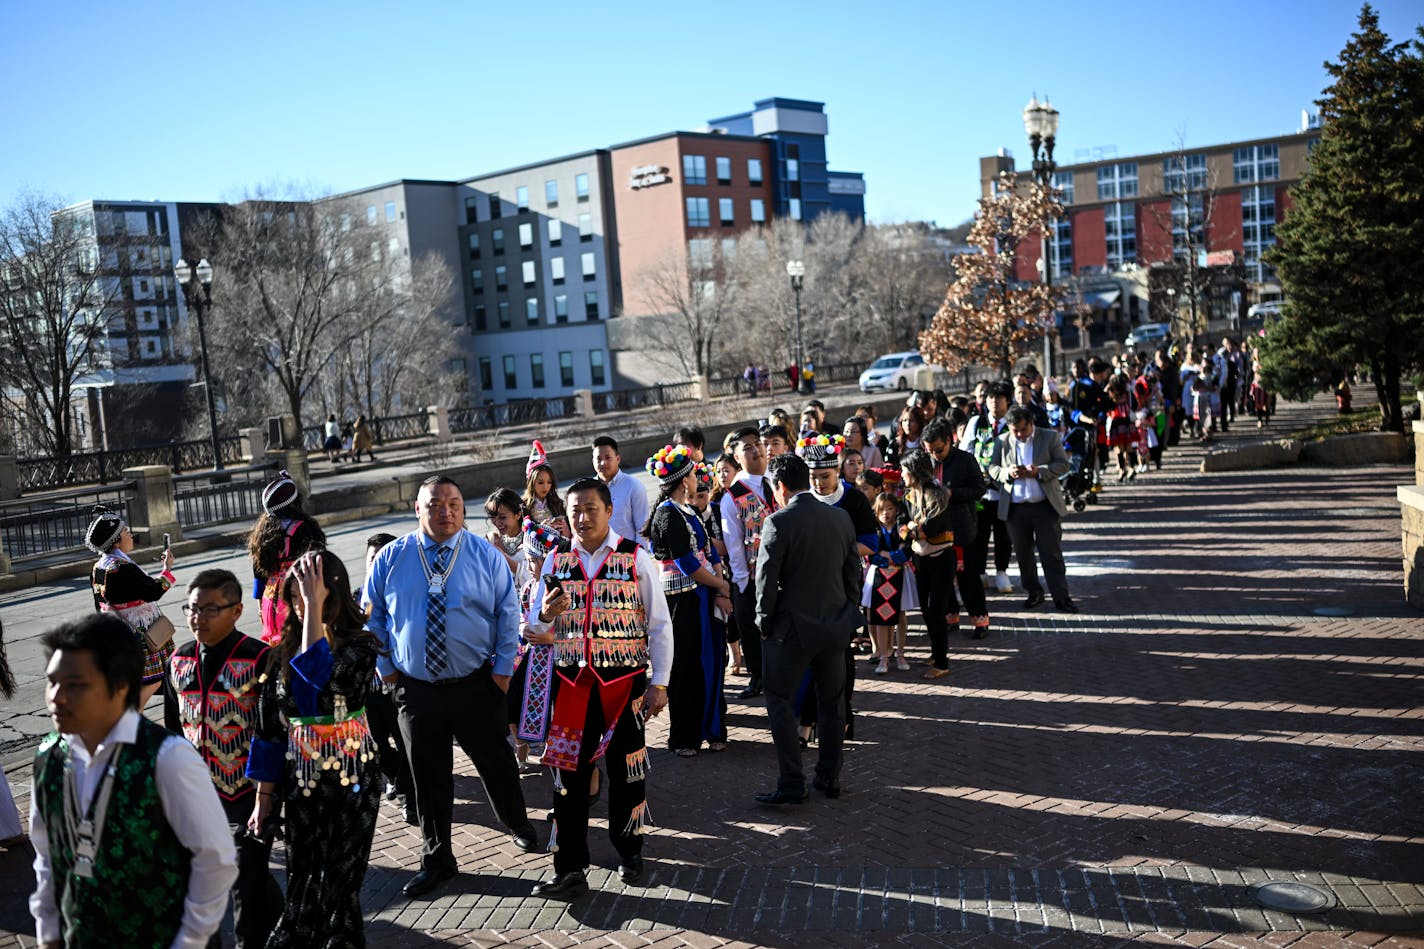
x: 385, y: 729
x: 785, y: 662
x: 744, y: 615
x: 472, y: 712
x: 935, y: 578
x: 1037, y: 531
x: 976, y: 555
x: 571, y: 807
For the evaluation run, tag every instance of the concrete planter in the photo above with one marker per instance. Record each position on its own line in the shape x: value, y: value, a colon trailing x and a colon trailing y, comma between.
x: 1248, y: 457
x: 1364, y: 448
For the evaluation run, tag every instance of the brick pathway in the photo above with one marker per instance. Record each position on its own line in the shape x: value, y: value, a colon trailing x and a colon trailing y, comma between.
x: 1125, y: 773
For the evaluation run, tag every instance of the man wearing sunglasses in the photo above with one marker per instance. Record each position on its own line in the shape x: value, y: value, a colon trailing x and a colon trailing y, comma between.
x: 211, y: 700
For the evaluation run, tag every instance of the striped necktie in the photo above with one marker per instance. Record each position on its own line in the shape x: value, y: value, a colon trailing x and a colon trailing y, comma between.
x: 436, y: 658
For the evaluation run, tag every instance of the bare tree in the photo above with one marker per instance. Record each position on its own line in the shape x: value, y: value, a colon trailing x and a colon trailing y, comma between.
x: 897, y: 276
x: 692, y: 291
x: 989, y: 317
x: 56, y: 308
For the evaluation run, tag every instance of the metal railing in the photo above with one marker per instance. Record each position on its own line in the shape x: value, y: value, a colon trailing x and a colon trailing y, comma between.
x: 101, y: 467
x: 218, y: 497
x: 397, y: 428
x: 520, y: 412
x: 627, y: 400
x: 55, y: 523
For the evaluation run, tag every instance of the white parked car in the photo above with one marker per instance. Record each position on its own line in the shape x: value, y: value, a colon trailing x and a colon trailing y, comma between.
x: 892, y: 371
x: 1269, y: 310
x: 1148, y: 334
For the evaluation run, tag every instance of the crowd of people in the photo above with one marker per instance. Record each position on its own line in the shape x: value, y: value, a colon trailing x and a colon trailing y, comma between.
x: 552, y: 639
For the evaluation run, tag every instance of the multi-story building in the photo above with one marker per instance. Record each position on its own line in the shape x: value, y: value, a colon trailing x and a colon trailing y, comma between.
x: 1219, y: 203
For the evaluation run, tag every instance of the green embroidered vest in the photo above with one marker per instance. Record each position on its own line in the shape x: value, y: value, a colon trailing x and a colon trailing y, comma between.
x: 135, y: 897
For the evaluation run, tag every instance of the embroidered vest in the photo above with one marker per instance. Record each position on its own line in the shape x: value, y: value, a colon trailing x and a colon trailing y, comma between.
x: 984, y: 434
x: 218, y: 716
x: 674, y: 580
x: 752, y: 509
x: 607, y: 626
x: 135, y: 897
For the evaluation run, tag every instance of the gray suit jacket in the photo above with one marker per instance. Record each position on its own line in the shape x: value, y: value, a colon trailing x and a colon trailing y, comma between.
x: 1052, y: 463
x: 808, y: 574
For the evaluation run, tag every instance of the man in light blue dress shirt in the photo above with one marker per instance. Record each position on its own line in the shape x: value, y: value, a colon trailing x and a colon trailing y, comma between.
x: 450, y: 666
x: 630, y: 498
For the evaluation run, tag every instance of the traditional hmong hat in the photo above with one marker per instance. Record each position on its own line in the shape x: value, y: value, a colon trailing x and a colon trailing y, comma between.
x: 890, y: 473
x: 103, y: 530
x: 821, y: 451
x: 704, y: 476
x: 537, y: 457
x: 670, y: 464
x: 279, y: 493
x: 543, y: 539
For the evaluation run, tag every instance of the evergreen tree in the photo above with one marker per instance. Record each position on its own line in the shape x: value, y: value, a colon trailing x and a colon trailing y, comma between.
x: 1349, y: 252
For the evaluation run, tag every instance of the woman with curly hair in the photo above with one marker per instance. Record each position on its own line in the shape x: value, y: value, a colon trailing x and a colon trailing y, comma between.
x: 282, y: 534
x: 312, y: 744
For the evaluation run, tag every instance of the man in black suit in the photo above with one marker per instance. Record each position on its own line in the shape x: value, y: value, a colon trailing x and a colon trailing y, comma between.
x: 808, y: 598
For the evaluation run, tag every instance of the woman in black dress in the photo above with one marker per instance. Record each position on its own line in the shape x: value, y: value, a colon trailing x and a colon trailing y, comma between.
x: 121, y: 587
x: 313, y: 745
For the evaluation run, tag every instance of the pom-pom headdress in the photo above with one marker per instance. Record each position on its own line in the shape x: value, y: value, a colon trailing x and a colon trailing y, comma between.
x: 821, y: 451
x: 537, y: 457
x: 279, y: 493
x: 670, y: 464
x: 704, y: 476
x: 103, y: 530
x: 543, y: 539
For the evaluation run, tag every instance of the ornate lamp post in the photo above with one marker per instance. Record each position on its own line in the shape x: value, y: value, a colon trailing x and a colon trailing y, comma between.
x: 197, y: 287
x: 1041, y: 123
x: 796, y: 270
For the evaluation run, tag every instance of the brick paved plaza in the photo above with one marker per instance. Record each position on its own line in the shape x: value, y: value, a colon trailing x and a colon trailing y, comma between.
x: 1124, y: 773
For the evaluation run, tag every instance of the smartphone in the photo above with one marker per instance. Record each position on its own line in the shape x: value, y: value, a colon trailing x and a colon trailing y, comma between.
x: 167, y: 541
x: 554, y: 585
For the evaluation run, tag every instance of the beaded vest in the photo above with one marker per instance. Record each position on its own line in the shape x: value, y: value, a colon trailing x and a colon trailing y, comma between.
x: 135, y: 897
x: 218, y: 716
x: 752, y: 509
x: 674, y: 580
x: 606, y: 627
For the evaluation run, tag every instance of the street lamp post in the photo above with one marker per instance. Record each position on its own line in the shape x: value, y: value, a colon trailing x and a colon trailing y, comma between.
x: 197, y: 287
x: 796, y: 270
x: 1041, y: 123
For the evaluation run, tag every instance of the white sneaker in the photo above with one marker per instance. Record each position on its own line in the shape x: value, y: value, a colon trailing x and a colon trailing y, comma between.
x: 1002, y: 583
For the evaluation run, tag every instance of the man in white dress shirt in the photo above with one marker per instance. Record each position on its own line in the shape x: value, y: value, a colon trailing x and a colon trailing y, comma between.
x: 630, y: 498
x: 131, y: 843
x: 1026, y: 465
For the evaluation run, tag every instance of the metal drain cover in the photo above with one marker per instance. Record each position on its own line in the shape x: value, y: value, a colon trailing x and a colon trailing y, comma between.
x: 1334, y: 611
x: 1294, y: 898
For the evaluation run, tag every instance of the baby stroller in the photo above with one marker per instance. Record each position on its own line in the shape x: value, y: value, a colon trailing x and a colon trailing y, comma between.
x: 1078, y: 481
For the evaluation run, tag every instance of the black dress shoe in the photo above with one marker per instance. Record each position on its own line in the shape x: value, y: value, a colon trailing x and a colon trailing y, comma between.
x: 525, y: 839
x: 1034, y: 599
x: 1065, y: 605
x: 427, y: 880
x: 780, y: 798
x: 830, y: 790
x: 563, y: 886
x: 630, y: 871
x: 751, y: 691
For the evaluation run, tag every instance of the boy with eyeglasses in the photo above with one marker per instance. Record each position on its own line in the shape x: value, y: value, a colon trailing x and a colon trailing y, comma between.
x: 212, y: 702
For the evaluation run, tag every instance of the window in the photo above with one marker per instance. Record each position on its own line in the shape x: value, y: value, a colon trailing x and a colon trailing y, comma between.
x: 477, y: 280
x: 729, y: 249
x: 795, y: 211
x: 724, y: 171
x: 471, y: 216
x: 511, y: 379
x: 345, y: 223
x: 536, y: 369
x: 481, y: 322
x: 698, y: 213
x: 501, y: 277
x: 556, y: 232
x: 371, y: 214
x: 1183, y: 173
x: 551, y: 193
x: 699, y: 254
x: 531, y: 311
x: 724, y: 211
x: 758, y: 211
x: 595, y: 366
x: 561, y: 308
x: 1188, y: 220
x: 556, y: 269
x: 1060, y: 250
x: 474, y: 245
x: 496, y: 206
x: 521, y: 198
x: 526, y: 236
x: 581, y: 187
x: 1120, y: 224
x: 1063, y: 181
x: 1258, y: 229
x: 585, y: 227
x: 1117, y: 181
x: 753, y: 171
x: 1256, y: 163
x: 590, y: 306
x: 503, y: 311
x: 793, y: 169
x: 694, y: 169
x: 530, y: 272
x: 393, y: 246
x: 486, y: 374
x: 566, y: 369
x: 390, y: 212
x: 497, y: 240
x: 590, y: 266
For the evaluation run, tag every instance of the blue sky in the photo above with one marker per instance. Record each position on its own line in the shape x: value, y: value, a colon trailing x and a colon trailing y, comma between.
x: 196, y: 102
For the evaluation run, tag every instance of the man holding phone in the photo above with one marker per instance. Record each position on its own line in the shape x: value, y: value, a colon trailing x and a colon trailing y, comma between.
x: 1026, y: 465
